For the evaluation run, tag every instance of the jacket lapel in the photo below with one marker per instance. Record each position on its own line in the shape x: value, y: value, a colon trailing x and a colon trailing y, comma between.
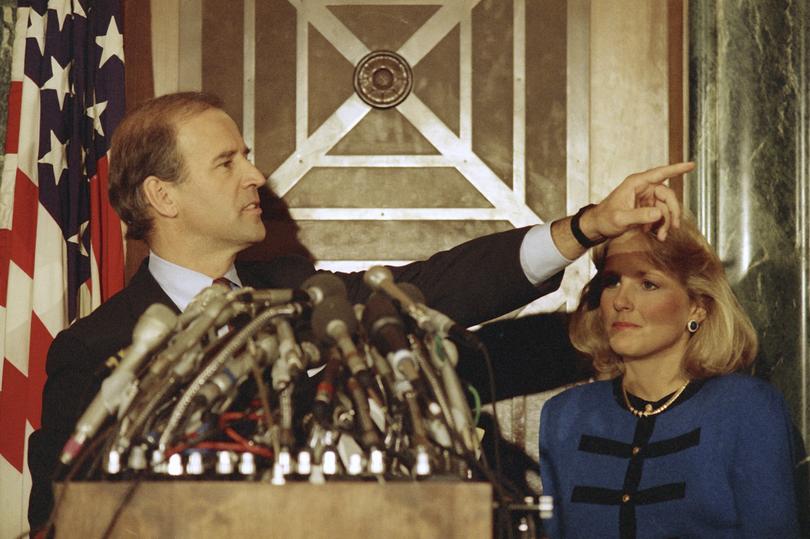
x: 143, y: 290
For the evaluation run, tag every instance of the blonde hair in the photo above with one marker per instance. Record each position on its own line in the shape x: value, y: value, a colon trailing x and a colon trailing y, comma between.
x: 726, y: 341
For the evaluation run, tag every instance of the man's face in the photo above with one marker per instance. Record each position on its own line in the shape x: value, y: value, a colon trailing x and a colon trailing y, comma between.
x: 217, y: 198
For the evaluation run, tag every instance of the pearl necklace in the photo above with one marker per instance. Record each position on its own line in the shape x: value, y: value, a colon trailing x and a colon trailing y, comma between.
x: 648, y: 410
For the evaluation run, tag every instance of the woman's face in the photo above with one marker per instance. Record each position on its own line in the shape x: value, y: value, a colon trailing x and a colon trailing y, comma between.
x: 644, y: 310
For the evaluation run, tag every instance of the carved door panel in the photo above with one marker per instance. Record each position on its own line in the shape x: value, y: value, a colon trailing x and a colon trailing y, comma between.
x: 478, y: 145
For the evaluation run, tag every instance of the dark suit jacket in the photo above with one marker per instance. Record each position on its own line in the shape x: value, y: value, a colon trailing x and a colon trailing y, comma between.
x: 471, y: 283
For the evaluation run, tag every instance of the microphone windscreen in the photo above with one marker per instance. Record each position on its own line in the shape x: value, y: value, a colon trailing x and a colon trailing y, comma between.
x: 383, y: 324
x: 330, y: 309
x: 154, y: 325
x: 323, y: 285
x: 375, y: 276
x: 378, y: 307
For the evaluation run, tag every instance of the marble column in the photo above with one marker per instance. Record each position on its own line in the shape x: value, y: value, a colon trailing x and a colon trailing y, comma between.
x: 9, y: 17
x: 748, y: 70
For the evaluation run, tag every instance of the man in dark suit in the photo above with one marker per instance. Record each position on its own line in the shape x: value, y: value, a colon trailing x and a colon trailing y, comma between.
x: 181, y: 179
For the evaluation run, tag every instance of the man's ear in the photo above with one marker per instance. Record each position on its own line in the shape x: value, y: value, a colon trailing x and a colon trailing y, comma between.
x: 159, y: 195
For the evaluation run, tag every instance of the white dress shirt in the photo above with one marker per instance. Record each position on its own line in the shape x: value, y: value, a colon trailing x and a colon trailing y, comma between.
x: 182, y: 284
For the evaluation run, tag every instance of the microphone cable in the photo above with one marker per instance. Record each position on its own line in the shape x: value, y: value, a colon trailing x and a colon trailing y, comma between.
x: 503, y: 489
x: 476, y: 402
x: 261, y: 387
x: 502, y: 510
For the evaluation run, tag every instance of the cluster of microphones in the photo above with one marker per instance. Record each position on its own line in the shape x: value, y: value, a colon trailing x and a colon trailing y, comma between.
x: 284, y: 384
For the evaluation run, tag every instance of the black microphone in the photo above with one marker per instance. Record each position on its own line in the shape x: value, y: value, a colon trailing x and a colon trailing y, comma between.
x: 386, y: 331
x: 459, y: 408
x: 333, y: 321
x: 323, y: 285
x: 325, y: 391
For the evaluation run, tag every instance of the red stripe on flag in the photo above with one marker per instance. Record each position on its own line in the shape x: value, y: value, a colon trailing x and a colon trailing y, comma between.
x: 40, y: 341
x: 105, y: 233
x: 12, y: 415
x: 14, y: 111
x: 21, y: 396
x: 24, y: 223
x: 5, y: 247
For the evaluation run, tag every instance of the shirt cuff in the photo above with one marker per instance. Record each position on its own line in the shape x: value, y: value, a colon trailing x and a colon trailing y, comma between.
x: 539, y: 257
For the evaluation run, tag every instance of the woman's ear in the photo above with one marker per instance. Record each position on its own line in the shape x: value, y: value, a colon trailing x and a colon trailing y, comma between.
x: 698, y: 312
x: 159, y: 196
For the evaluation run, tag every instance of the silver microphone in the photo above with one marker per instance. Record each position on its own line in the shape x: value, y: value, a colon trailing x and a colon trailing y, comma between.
x: 313, y: 290
x: 430, y: 320
x: 152, y: 329
x: 191, y: 335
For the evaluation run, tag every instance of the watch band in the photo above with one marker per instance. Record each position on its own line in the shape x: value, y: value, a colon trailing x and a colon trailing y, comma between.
x: 581, y: 238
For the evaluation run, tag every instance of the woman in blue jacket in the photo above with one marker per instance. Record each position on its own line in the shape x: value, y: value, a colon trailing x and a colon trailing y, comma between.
x: 674, y: 442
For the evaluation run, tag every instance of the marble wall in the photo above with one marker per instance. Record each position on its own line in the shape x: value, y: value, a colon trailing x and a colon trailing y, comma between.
x: 749, y: 125
x: 629, y: 91
x: 8, y: 11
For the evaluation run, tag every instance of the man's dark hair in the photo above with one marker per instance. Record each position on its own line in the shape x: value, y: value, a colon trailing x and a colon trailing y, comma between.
x: 145, y: 144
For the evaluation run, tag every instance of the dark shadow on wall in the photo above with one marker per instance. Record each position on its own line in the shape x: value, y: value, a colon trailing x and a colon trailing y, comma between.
x: 282, y: 231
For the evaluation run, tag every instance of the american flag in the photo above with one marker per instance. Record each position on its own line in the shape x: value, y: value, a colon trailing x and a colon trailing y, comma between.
x: 61, y: 245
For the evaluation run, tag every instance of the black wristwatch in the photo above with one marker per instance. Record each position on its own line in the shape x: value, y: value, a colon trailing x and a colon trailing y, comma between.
x: 582, y: 239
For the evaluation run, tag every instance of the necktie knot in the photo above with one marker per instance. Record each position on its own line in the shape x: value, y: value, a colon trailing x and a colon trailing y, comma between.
x: 224, y: 281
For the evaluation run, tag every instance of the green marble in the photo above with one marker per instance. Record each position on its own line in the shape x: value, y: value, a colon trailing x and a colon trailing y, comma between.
x: 9, y: 13
x: 748, y: 133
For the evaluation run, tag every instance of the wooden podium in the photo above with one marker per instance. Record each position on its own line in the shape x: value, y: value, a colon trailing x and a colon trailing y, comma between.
x: 196, y: 509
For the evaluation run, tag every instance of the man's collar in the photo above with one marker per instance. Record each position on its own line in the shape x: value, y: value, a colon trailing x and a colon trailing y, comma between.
x: 182, y: 284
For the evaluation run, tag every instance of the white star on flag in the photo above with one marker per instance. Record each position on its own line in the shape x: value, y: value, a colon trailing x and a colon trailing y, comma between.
x: 62, y: 9
x: 36, y: 29
x: 76, y: 238
x: 56, y: 157
x: 112, y: 43
x: 78, y: 10
x: 59, y: 81
x: 95, y: 113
